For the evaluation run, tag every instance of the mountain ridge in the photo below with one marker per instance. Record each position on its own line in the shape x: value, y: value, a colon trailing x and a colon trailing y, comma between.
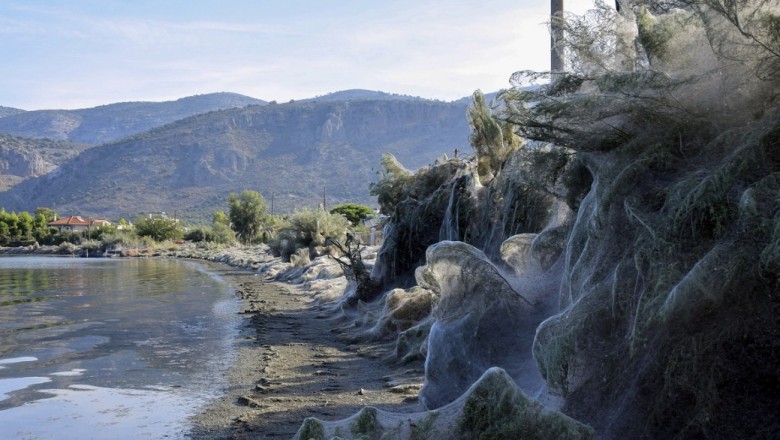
x: 111, y: 122
x: 9, y: 111
x: 296, y: 151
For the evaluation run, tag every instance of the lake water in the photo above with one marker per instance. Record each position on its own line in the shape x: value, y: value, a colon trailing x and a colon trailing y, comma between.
x: 109, y: 348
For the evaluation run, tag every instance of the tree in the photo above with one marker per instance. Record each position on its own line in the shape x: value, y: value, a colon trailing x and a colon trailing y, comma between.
x: 556, y: 35
x: 41, y: 228
x: 246, y: 213
x: 353, y: 212
x: 25, y: 224
x: 48, y: 213
x: 220, y: 227
x: 158, y: 228
x: 493, y: 140
x: 389, y: 190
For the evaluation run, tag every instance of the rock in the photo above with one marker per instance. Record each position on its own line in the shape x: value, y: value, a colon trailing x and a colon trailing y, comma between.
x: 248, y: 401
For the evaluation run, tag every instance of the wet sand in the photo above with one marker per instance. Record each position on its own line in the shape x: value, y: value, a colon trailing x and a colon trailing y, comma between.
x: 293, y: 363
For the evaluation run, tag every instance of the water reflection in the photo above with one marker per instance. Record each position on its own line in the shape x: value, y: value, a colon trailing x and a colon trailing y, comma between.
x: 109, y: 324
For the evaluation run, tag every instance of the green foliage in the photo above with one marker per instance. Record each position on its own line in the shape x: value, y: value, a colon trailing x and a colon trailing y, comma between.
x: 220, y: 229
x: 199, y: 234
x: 312, y: 429
x: 97, y: 233
x: 120, y: 239
x: 353, y: 212
x: 366, y: 424
x: 492, y: 138
x: 67, y: 247
x: 315, y: 226
x: 305, y: 229
x: 421, y: 429
x: 494, y: 408
x: 158, y: 228
x: 390, y: 189
x: 48, y: 213
x: 22, y: 227
x: 246, y: 212
x: 25, y: 224
x: 670, y: 258
x: 398, y: 184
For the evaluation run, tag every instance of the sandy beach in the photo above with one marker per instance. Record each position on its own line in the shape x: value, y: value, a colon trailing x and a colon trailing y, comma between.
x: 295, y: 361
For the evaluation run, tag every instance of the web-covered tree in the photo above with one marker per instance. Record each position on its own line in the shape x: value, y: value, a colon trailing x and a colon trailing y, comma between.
x: 393, y: 180
x: 493, y: 139
x: 673, y: 263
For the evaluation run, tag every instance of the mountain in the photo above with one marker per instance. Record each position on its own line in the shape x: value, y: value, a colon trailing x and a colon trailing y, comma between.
x: 362, y: 94
x: 297, y: 152
x: 9, y: 111
x: 22, y: 158
x: 112, y: 122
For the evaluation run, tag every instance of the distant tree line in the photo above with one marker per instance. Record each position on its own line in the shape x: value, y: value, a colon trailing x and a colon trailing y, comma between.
x: 25, y: 227
x: 246, y: 221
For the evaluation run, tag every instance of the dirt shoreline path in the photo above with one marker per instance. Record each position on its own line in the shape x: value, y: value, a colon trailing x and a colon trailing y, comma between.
x: 291, y: 365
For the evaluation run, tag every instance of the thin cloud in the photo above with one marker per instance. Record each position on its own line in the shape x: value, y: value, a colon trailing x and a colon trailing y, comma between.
x: 60, y: 56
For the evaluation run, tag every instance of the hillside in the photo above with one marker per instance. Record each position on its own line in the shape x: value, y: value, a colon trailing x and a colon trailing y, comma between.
x: 112, y: 122
x: 362, y: 94
x: 295, y: 151
x: 9, y: 111
x: 22, y: 158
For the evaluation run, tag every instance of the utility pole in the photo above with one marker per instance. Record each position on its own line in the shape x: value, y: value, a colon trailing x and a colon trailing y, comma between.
x: 324, y: 201
x: 556, y: 35
x: 272, y: 203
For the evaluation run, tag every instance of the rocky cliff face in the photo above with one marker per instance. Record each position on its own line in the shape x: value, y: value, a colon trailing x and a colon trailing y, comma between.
x: 21, y: 158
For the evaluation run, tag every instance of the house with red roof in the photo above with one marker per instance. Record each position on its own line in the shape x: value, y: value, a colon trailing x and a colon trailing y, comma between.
x: 77, y: 223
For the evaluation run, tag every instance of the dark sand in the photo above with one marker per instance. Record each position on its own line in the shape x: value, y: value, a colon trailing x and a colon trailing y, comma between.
x: 292, y: 363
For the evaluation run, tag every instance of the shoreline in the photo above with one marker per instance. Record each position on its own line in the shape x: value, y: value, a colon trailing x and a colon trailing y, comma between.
x: 292, y: 363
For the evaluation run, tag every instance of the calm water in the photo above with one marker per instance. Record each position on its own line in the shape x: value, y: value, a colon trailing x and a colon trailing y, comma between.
x: 109, y: 348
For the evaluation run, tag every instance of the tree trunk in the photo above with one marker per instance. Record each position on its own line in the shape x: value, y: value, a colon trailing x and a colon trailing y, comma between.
x: 556, y: 35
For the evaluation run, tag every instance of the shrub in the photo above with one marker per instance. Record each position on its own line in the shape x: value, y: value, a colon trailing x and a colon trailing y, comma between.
x: 307, y: 228
x: 201, y: 233
x: 158, y: 228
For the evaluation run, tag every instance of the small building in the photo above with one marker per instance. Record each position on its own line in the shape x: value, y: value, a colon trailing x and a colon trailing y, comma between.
x: 77, y: 223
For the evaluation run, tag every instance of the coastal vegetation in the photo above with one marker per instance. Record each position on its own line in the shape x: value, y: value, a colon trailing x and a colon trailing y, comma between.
x: 611, y: 247
x: 306, y: 232
x: 622, y: 264
x: 24, y: 227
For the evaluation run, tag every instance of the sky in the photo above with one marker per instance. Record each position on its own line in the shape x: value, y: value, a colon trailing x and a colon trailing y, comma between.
x: 69, y: 54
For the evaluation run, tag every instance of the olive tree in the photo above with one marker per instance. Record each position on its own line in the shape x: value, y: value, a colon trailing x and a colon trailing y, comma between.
x: 246, y: 212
